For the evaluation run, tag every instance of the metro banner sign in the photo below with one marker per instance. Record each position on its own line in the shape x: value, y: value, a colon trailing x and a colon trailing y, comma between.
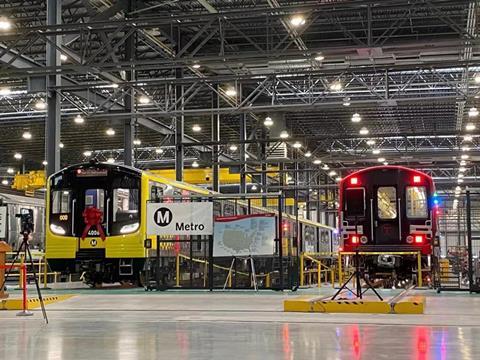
x: 189, y: 218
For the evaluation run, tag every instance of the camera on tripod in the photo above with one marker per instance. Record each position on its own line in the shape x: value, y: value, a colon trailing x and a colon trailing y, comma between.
x: 26, y: 221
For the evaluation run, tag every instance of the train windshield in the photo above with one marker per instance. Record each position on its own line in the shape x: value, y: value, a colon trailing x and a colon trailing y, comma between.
x: 113, y: 191
x: 387, y: 202
x: 355, y: 202
x: 417, y: 206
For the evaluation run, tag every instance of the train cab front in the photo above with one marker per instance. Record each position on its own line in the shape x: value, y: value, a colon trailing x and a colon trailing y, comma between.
x: 93, y: 218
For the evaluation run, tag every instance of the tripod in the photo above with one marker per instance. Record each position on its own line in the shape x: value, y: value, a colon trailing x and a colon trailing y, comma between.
x: 25, y: 248
x: 359, y: 275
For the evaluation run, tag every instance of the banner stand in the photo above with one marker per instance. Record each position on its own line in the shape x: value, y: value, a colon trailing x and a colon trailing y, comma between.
x: 252, y: 268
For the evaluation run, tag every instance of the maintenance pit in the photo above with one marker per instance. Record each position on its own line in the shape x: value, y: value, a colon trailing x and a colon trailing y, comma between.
x: 133, y: 324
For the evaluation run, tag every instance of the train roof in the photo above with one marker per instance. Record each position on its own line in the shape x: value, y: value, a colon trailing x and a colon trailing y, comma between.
x: 99, y: 164
x: 393, y: 167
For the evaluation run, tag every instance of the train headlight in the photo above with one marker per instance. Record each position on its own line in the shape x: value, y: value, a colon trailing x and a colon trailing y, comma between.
x: 363, y: 239
x: 409, y: 239
x: 57, y: 229
x: 126, y: 229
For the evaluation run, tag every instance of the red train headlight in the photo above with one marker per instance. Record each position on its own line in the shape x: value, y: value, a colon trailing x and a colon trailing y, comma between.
x: 355, y: 239
x: 418, y: 239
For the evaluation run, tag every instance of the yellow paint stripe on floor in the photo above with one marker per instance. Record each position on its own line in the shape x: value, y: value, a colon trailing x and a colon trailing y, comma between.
x: 17, y: 304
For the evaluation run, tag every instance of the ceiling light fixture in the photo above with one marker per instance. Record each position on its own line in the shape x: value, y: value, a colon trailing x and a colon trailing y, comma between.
x: 346, y: 101
x: 158, y: 151
x: 464, y: 156
x: 144, y: 100
x: 137, y: 142
x: 325, y: 167
x: 363, y: 131
x: 17, y: 156
x: 468, y: 138
x: 308, y: 154
x: 470, y: 127
x: 196, y: 128
x: 110, y: 132
x: 27, y: 135
x: 376, y: 151
x: 336, y: 86
x: 356, y: 118
x: 319, y: 57
x: 332, y: 173
x: 10, y: 170
x: 40, y: 105
x: 297, y: 145
x: 87, y: 153
x: 268, y: 121
x: 44, y: 163
x: 63, y: 57
x: 233, y: 147
x: 463, y: 163
x: 473, y: 112
x: 4, y: 182
x: 231, y: 92
x: 5, y: 24
x: 5, y: 91
x: 110, y: 160
x: 61, y: 146
x: 317, y: 161
x: 381, y: 159
x: 195, y: 164
x: 477, y: 78
x: 297, y: 20
x: 196, y: 66
x: 284, y: 134
x: 370, y: 142
x: 79, y: 119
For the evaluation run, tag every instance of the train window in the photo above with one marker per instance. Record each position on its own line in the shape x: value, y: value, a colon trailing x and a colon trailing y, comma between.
x: 125, y: 211
x: 61, y: 201
x: 387, y: 202
x: 355, y: 202
x: 95, y: 198
x: 417, y: 202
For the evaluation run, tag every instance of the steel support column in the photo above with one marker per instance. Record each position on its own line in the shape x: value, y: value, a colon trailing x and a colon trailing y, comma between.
x: 263, y: 158
x: 243, y: 137
x: 53, y: 120
x: 179, y: 118
x: 129, y: 98
x: 216, y: 138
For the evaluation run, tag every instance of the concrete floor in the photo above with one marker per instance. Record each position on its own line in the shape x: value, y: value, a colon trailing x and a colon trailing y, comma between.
x: 233, y: 325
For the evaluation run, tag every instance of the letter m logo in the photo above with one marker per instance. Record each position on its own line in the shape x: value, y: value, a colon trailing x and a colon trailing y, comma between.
x: 163, y: 217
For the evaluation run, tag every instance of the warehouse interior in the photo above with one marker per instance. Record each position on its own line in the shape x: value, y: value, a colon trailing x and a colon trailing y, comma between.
x: 266, y: 109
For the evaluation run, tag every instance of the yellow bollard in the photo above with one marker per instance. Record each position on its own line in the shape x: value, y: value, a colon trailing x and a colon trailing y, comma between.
x: 267, y: 280
x: 419, y: 269
x: 177, y: 269
x: 340, y: 275
x: 45, y: 272
x: 332, y: 277
x: 302, y: 275
x: 20, y: 277
x: 319, y: 271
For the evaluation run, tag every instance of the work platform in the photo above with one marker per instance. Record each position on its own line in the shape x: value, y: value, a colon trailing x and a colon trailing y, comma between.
x: 409, y: 305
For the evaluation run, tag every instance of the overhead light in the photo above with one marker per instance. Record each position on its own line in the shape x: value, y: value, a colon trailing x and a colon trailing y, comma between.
x: 317, y: 161
x: 87, y: 153
x: 325, y: 167
x: 40, y: 105
x: 159, y: 151
x: 308, y: 154
x: 381, y: 159
x: 297, y: 20
x: 247, y: 156
x: 468, y: 138
x: 363, y: 131
x: 233, y: 147
x: 461, y: 175
x: 110, y: 132
x: 4, y: 182
x: 477, y: 78
x: 464, y: 156
x: 473, y: 112
x: 137, y: 142
x: 346, y: 101
x: 254, y: 187
x: 79, y: 119
x: 463, y: 163
x: 356, y: 118
x: 5, y: 91
x: 462, y: 169
x: 465, y: 148
x: 336, y: 86
x: 17, y: 156
x: 470, y: 127
x: 332, y: 173
x: 114, y: 86
x: 196, y: 66
x: 460, y: 181
x: 370, y: 142
x: 196, y: 128
x: 284, y: 134
x: 319, y: 57
x: 10, y: 171
x: 5, y: 24
x: 195, y: 164
x: 44, y: 163
x: 297, y: 145
x: 63, y: 57
x: 268, y: 121
x: 458, y: 188
x: 61, y: 146
x: 338, y: 178
x: 144, y: 100
x: 385, y: 163
x: 110, y: 160
x: 27, y: 135
x: 231, y: 92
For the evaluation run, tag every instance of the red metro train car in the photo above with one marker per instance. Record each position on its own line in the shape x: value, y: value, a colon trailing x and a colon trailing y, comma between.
x: 388, y: 209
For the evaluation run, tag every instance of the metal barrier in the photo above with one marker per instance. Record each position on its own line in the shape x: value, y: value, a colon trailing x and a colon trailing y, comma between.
x: 23, y: 277
x: 42, y: 269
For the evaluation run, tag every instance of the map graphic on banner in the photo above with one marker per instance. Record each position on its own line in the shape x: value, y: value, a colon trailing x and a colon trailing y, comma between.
x: 244, y: 235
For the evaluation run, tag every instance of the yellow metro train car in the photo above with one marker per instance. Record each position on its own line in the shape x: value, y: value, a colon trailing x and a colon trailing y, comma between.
x: 96, y: 219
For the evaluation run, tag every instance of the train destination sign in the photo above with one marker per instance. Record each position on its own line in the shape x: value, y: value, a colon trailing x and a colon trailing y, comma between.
x: 189, y: 218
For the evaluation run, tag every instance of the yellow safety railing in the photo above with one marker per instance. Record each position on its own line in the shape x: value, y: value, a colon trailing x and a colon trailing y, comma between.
x: 41, y: 267
x: 205, y: 263
x: 418, y: 254
x: 321, y: 269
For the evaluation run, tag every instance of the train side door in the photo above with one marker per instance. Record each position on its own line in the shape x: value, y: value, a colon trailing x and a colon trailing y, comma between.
x: 386, y: 216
